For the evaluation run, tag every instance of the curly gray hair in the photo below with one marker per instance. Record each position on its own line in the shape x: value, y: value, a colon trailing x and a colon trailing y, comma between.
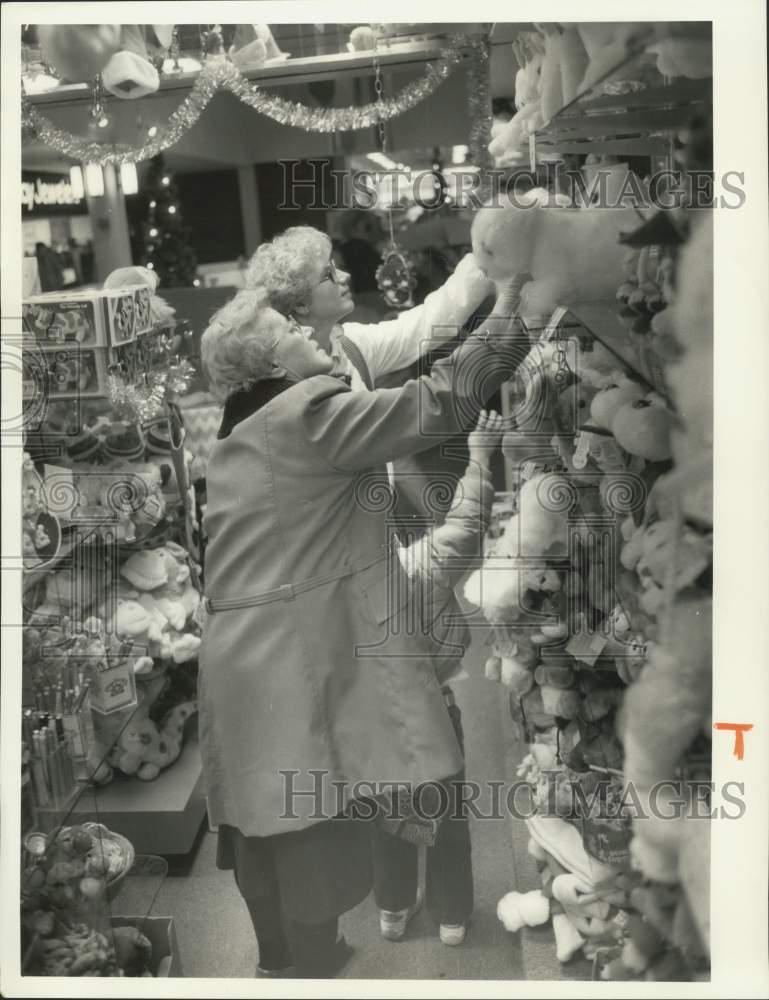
x: 237, y: 346
x: 285, y: 267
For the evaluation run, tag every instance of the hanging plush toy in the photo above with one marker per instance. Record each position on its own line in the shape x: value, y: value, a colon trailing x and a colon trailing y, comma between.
x: 78, y: 51
x: 253, y: 45
x: 130, y: 73
x: 362, y: 39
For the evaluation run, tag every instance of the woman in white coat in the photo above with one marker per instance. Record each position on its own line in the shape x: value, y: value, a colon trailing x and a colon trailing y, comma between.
x: 297, y: 273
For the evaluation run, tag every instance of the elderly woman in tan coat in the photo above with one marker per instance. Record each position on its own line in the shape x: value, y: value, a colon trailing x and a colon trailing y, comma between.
x: 314, y: 689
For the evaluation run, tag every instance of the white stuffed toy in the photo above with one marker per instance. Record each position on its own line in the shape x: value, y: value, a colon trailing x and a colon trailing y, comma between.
x: 253, y: 45
x: 519, y: 909
x: 572, y: 254
x: 130, y: 73
x: 688, y: 57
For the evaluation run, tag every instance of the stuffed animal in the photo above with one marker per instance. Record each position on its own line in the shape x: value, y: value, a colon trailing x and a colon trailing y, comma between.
x: 687, y: 57
x: 568, y: 940
x: 130, y: 72
x: 551, y: 87
x: 168, y: 599
x: 690, y: 375
x: 609, y: 401
x: 508, y: 137
x: 606, y: 45
x: 517, y: 910
x: 253, y: 45
x: 539, y: 235
x: 144, y: 749
x: 515, y: 676
x: 665, y: 708
x: 78, y: 51
x: 362, y: 39
x: 132, y: 743
x: 643, y: 427
x: 133, y: 951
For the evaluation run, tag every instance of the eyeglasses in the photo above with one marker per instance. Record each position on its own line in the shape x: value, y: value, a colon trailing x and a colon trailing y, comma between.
x: 294, y: 327
x: 330, y: 273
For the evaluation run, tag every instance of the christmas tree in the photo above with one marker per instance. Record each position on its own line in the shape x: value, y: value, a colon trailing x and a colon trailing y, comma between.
x: 167, y: 248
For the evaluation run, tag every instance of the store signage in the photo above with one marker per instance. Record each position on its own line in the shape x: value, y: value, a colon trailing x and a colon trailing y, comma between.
x: 49, y: 194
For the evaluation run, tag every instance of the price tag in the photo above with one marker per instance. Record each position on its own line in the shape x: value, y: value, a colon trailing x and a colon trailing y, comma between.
x: 585, y: 646
x: 114, y: 689
x: 581, y: 452
x: 551, y: 329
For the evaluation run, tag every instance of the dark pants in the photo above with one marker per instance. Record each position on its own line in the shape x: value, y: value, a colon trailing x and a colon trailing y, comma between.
x: 449, y: 889
x: 295, y: 886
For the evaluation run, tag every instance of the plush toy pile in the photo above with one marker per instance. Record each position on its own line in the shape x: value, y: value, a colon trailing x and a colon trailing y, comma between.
x: 597, y: 586
x: 144, y: 623
x: 65, y: 889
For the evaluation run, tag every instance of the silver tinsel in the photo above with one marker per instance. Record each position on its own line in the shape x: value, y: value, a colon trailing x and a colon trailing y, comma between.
x: 479, y: 106
x: 223, y: 75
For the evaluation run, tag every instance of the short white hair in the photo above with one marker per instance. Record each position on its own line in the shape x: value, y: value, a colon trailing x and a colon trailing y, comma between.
x: 238, y: 345
x: 284, y: 268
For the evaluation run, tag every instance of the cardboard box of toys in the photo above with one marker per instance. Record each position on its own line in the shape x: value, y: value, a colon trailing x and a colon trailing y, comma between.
x: 94, y: 317
x: 66, y: 372
x: 164, y: 961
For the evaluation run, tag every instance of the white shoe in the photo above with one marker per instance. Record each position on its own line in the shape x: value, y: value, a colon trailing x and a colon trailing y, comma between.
x: 393, y: 923
x: 452, y: 934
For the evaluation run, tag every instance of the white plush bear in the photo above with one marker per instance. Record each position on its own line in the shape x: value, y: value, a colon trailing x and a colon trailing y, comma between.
x: 572, y: 254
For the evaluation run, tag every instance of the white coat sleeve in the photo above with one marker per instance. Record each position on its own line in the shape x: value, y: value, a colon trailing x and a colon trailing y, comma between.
x: 361, y: 430
x: 397, y: 343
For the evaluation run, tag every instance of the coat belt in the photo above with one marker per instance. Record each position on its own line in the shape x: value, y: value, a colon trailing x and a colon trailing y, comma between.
x: 288, y: 591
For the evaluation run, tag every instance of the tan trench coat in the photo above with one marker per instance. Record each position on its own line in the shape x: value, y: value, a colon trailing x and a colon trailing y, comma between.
x: 331, y: 681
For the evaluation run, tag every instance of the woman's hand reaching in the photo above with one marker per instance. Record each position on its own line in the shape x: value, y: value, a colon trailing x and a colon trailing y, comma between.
x: 484, y: 440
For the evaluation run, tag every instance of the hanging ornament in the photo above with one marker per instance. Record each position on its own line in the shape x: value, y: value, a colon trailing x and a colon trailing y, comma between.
x: 98, y: 111
x: 393, y: 276
x: 395, y: 279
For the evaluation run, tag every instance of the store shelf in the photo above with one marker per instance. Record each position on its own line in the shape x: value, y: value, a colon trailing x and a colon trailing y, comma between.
x: 601, y: 319
x: 307, y: 69
x: 637, y: 122
x: 162, y: 816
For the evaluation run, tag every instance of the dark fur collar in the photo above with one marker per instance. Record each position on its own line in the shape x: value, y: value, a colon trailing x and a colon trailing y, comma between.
x: 246, y: 402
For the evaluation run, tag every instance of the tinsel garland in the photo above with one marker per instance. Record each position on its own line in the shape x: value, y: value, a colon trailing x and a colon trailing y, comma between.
x: 222, y: 75
x: 479, y: 106
x: 145, y: 401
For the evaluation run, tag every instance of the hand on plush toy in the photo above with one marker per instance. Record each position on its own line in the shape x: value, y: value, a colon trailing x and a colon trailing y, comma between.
x: 484, y: 440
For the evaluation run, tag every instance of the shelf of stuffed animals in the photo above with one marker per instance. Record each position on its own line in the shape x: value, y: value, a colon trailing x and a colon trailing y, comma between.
x: 599, y: 590
x: 605, y: 88
x: 111, y: 594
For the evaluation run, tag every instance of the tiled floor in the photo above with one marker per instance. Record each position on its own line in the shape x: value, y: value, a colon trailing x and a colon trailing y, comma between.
x: 214, y: 933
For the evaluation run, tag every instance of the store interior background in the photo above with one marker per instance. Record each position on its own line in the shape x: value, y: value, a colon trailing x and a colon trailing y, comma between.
x: 230, y: 182
x: 227, y: 173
